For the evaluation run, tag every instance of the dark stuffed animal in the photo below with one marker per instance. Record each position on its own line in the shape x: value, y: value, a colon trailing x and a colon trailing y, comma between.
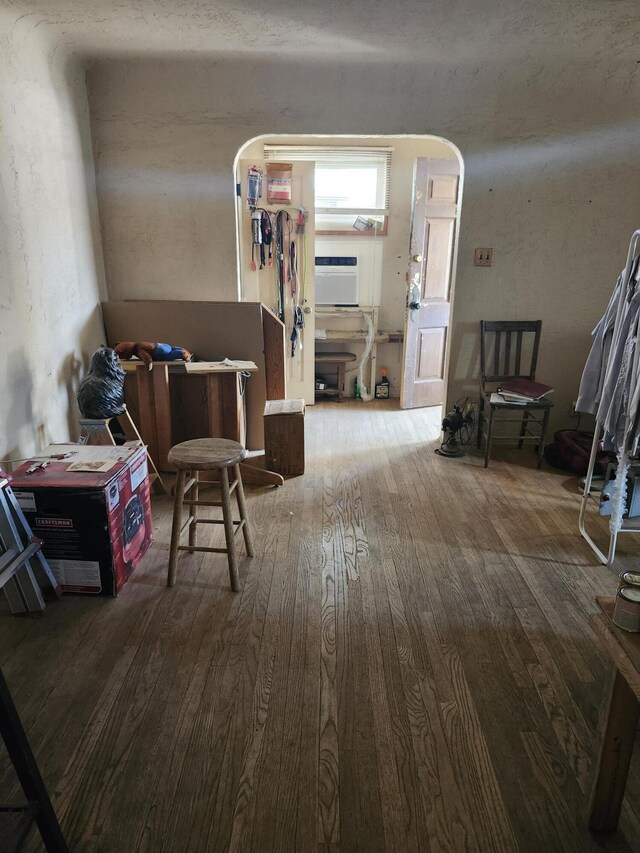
x: 148, y: 352
x: 101, y: 392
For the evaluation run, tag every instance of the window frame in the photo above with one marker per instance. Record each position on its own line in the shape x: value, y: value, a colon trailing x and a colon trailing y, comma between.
x: 378, y: 156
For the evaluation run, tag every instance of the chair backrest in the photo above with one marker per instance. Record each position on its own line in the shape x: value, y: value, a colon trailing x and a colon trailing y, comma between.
x: 508, y: 349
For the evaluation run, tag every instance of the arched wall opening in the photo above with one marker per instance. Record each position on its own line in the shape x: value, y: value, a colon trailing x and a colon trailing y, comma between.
x: 391, y: 290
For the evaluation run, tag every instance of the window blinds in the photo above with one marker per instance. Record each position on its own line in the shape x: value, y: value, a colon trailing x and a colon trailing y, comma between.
x: 364, y: 174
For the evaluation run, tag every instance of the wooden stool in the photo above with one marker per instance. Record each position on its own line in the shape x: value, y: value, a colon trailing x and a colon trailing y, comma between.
x: 208, y: 454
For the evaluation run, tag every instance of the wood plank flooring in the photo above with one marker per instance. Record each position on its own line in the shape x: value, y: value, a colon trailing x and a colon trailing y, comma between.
x: 408, y: 667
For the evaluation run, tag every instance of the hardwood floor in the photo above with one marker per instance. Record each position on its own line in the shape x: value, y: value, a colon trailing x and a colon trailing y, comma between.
x: 408, y: 667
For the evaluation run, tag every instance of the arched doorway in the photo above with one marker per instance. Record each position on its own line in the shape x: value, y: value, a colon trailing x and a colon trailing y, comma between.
x: 387, y: 267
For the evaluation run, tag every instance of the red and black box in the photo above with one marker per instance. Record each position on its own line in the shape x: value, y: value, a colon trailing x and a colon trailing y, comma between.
x: 95, y: 525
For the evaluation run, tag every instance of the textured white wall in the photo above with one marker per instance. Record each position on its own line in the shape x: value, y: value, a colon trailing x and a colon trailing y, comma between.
x: 50, y: 252
x: 551, y: 165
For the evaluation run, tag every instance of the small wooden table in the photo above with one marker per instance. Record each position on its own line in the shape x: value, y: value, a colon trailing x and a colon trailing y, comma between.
x: 337, y: 360
x: 622, y: 718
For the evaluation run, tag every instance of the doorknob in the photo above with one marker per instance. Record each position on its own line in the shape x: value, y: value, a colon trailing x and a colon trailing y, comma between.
x: 414, y: 295
x: 417, y: 258
x: 307, y: 310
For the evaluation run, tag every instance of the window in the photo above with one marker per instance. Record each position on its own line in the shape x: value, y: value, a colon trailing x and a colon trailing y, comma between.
x: 351, y: 185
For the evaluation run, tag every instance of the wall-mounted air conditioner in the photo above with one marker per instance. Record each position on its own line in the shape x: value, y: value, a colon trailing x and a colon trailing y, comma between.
x: 337, y: 280
x: 348, y: 271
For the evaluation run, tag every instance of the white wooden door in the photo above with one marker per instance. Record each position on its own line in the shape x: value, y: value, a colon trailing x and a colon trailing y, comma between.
x: 433, y: 231
x: 260, y: 285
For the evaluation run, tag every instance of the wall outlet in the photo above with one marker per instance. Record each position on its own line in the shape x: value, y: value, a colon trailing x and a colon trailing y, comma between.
x: 483, y: 258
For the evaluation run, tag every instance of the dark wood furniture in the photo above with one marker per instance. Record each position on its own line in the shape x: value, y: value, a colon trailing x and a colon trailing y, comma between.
x: 16, y: 821
x: 217, y: 455
x: 509, y: 350
x: 623, y: 715
x: 337, y: 361
x: 171, y: 405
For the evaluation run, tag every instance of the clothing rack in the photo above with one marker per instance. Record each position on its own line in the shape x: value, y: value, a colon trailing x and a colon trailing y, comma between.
x: 617, y: 523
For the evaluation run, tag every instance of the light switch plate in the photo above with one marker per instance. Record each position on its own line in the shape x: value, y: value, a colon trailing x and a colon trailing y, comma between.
x: 483, y: 258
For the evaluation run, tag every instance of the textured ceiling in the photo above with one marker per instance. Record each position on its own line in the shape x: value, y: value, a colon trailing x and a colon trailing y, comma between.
x: 438, y: 32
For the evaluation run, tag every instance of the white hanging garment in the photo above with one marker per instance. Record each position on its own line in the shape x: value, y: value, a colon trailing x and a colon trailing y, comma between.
x: 610, y: 389
x: 608, y: 386
x: 595, y: 368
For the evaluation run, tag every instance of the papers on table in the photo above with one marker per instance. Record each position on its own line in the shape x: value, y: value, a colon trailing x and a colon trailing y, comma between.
x: 226, y: 365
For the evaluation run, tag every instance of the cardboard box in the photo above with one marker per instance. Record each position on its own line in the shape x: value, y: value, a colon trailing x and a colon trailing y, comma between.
x: 284, y: 436
x: 95, y: 524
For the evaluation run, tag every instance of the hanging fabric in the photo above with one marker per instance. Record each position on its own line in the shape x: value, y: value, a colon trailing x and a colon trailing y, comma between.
x: 610, y: 389
x: 608, y: 381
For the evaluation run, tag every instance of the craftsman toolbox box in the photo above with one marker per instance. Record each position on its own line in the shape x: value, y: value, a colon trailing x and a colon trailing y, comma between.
x: 93, y: 512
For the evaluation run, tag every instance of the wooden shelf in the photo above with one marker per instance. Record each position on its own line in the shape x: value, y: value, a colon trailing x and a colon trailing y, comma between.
x: 335, y: 336
x: 341, y: 335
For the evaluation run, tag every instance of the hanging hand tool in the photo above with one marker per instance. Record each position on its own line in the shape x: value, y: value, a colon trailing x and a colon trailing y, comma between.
x: 254, y: 187
x: 301, y: 220
x: 267, y: 238
x: 256, y: 237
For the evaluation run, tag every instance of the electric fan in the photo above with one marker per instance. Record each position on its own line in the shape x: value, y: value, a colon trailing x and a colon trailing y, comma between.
x: 457, y: 426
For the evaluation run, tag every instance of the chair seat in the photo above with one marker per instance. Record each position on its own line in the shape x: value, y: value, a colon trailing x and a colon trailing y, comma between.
x: 205, y: 454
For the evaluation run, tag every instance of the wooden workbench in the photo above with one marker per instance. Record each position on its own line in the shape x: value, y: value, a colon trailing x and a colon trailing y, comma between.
x: 175, y: 402
x: 212, y: 330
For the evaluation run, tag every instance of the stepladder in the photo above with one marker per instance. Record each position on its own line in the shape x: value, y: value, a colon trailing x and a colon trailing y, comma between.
x: 103, y: 431
x: 24, y: 570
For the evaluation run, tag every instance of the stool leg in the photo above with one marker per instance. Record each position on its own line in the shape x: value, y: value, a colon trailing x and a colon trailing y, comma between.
x: 242, y: 509
x: 228, y: 529
x: 194, y: 495
x: 340, y: 381
x: 175, y: 527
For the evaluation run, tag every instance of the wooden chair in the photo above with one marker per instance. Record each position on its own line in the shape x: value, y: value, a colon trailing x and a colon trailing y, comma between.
x: 208, y: 454
x: 509, y: 350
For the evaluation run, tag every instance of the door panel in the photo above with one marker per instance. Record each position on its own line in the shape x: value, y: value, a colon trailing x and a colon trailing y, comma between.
x: 433, y: 228
x: 439, y: 246
x: 431, y: 354
x: 443, y: 189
